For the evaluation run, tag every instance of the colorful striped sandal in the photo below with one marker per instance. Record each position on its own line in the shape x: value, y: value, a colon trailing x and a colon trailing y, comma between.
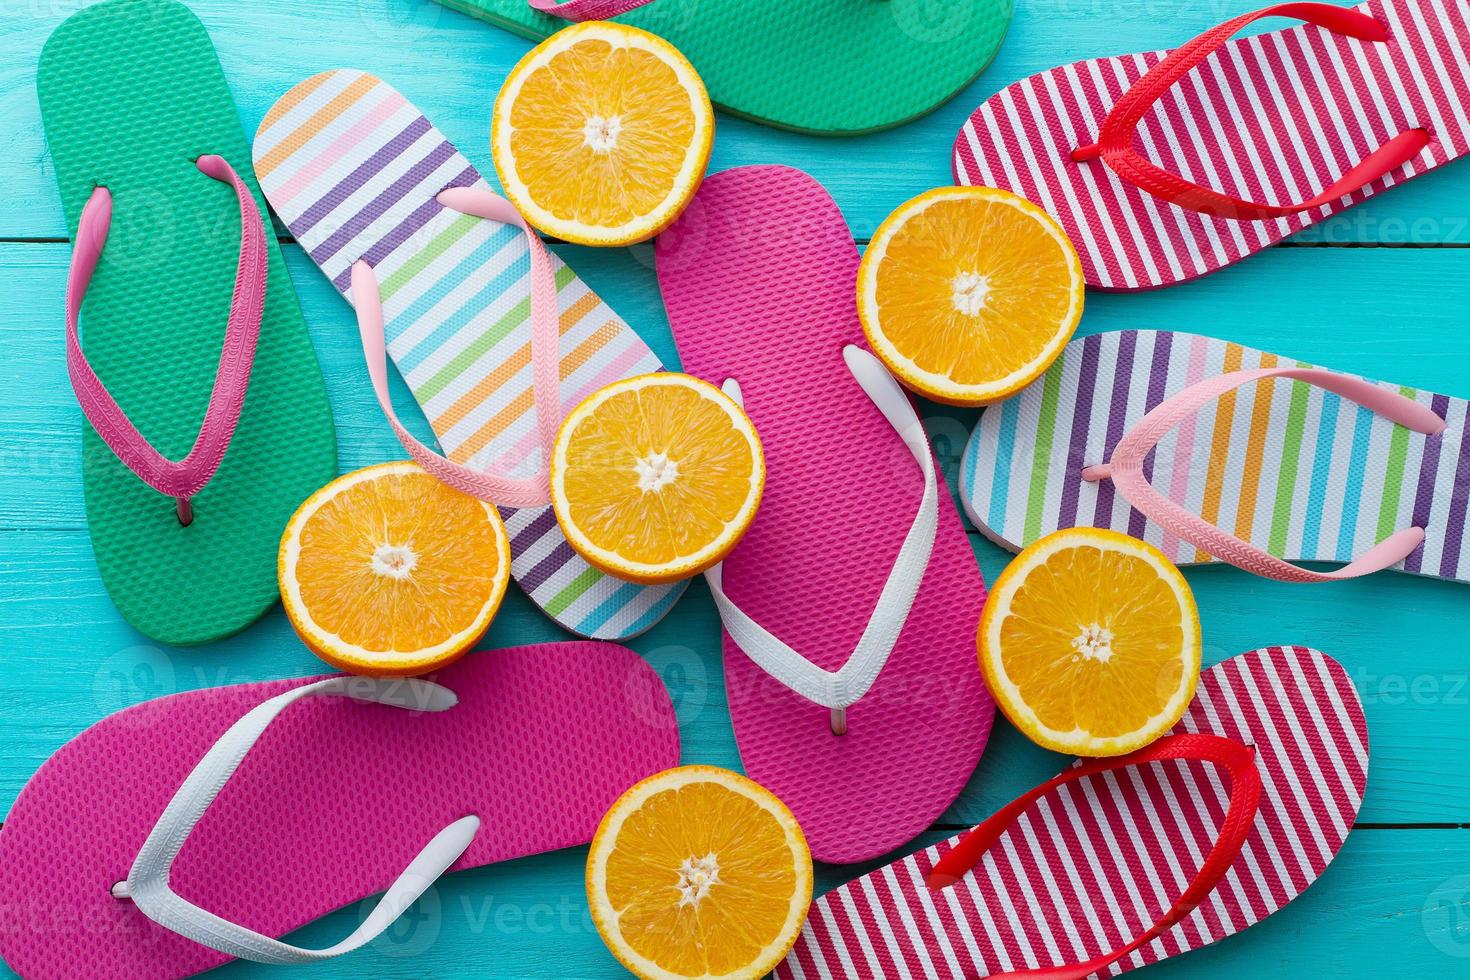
x: 1119, y: 863
x: 1165, y: 167
x: 496, y: 337
x: 1306, y: 465
x: 795, y: 64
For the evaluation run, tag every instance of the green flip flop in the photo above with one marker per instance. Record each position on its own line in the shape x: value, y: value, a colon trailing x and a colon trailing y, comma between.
x: 829, y: 67
x: 188, y: 283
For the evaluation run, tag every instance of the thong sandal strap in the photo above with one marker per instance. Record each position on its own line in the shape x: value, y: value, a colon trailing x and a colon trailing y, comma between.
x: 1114, y: 146
x: 586, y: 9
x: 184, y: 478
x: 1125, y: 469
x: 839, y: 689
x: 493, y: 487
x: 1245, y: 796
x: 147, y: 884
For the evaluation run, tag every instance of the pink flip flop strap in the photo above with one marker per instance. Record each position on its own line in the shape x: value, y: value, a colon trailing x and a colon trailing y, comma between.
x: 496, y: 488
x: 1245, y: 796
x: 1125, y: 469
x: 1115, y: 147
x: 186, y: 477
x: 587, y: 9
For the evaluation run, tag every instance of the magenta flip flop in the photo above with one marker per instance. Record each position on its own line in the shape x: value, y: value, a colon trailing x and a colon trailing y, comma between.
x: 140, y: 851
x: 851, y: 604
x: 1163, y: 167
x: 1118, y: 863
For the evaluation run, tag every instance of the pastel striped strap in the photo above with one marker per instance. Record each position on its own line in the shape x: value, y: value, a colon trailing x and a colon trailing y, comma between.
x: 587, y: 9
x: 1126, y: 470
x: 147, y: 884
x: 184, y: 478
x: 838, y: 690
x: 1237, y: 759
x: 495, y: 488
x: 1115, y: 142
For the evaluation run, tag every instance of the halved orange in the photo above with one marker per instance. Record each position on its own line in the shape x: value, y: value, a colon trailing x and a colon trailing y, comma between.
x: 655, y: 478
x: 969, y: 293
x: 388, y: 572
x: 699, y: 872
x: 1090, y: 642
x: 601, y: 134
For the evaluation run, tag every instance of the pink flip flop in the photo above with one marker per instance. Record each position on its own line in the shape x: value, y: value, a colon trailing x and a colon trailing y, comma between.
x: 116, y: 848
x: 851, y: 604
x: 1163, y: 168
x: 1236, y: 812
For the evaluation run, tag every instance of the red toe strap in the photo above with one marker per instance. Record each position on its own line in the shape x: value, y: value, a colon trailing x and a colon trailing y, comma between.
x: 1245, y: 796
x: 1115, y: 148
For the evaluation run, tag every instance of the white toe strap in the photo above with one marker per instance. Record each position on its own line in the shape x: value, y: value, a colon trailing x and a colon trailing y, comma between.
x: 147, y: 884
x: 839, y: 689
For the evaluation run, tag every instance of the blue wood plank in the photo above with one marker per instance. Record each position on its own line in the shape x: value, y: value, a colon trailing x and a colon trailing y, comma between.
x: 451, y: 65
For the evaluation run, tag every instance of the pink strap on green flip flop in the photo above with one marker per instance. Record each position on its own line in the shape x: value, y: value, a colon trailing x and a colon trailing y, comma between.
x: 495, y: 488
x: 1115, y: 142
x: 1237, y: 759
x: 586, y: 9
x: 184, y: 478
x: 1125, y: 469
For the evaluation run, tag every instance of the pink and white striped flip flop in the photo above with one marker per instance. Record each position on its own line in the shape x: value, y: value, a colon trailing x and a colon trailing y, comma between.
x: 1163, y: 167
x: 140, y: 851
x: 1119, y: 863
x: 851, y: 604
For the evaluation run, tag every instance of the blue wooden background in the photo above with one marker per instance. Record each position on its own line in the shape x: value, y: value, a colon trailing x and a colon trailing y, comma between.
x: 1381, y: 290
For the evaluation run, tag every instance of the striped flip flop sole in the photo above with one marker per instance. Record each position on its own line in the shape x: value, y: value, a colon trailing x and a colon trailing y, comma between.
x: 1095, y: 862
x: 1293, y: 469
x: 1274, y: 118
x: 353, y: 169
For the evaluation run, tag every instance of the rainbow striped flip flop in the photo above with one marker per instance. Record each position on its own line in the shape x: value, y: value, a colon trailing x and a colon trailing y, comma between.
x: 1259, y: 461
x: 355, y: 172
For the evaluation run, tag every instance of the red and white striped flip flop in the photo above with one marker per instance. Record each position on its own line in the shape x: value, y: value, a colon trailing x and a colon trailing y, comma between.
x: 1166, y: 166
x: 1118, y: 863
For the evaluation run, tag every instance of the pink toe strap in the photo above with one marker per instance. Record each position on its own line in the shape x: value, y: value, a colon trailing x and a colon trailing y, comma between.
x: 186, y: 477
x: 586, y: 9
x: 497, y: 488
x: 1125, y: 469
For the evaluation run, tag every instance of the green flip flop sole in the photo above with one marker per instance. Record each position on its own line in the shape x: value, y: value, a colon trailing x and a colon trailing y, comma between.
x: 131, y: 94
x: 829, y: 67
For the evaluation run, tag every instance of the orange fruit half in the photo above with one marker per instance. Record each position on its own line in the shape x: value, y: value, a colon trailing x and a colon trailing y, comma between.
x: 969, y: 293
x: 601, y: 134
x: 699, y: 872
x: 655, y: 478
x: 1090, y: 642
x: 388, y: 572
